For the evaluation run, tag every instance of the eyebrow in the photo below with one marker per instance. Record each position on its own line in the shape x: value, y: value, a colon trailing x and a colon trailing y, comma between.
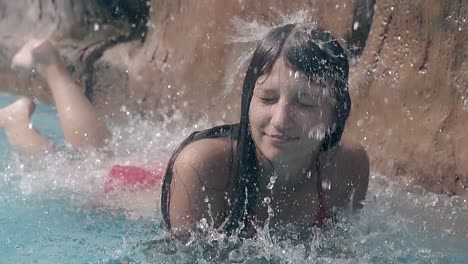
x: 267, y: 89
x: 305, y: 90
x: 309, y: 92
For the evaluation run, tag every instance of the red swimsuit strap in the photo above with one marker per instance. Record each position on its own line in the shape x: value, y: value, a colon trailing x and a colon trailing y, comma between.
x: 321, y: 213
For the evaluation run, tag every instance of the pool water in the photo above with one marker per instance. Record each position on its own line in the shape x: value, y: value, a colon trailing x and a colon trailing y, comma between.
x: 48, y: 213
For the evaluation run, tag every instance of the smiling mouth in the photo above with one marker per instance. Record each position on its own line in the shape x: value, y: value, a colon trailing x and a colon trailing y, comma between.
x: 281, y: 139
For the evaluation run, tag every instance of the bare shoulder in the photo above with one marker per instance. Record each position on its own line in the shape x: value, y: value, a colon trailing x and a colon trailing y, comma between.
x: 353, y: 158
x: 348, y: 172
x: 200, y: 177
x: 211, y: 159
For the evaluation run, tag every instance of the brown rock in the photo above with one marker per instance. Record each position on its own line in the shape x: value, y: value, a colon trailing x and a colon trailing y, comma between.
x: 409, y: 93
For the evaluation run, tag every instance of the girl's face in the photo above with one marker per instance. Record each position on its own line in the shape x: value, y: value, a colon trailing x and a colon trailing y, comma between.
x: 289, y: 115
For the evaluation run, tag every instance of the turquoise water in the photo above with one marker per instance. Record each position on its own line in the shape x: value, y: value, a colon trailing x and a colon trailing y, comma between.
x: 57, y: 226
x: 48, y: 214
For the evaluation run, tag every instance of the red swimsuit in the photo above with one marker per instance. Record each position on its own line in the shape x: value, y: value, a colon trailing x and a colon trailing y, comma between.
x: 134, y: 178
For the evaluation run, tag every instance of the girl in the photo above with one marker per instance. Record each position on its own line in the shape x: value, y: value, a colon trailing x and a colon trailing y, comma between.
x: 284, y: 161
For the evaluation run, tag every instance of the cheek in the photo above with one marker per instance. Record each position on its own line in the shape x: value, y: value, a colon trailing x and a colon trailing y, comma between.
x: 258, y: 117
x: 315, y: 126
x: 255, y: 124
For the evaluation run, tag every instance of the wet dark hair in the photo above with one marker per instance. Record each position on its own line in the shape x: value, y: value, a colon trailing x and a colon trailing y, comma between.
x: 306, y: 49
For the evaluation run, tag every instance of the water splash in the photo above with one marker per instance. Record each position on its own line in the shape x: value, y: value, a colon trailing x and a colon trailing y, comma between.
x: 317, y: 133
x: 46, y: 209
x: 251, y: 32
x: 85, y: 174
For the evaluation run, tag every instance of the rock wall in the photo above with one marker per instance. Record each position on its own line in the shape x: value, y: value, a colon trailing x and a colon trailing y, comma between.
x: 82, y: 30
x: 410, y: 89
x: 171, y: 58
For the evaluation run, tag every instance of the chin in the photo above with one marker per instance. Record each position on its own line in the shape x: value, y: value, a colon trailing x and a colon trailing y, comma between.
x: 275, y: 154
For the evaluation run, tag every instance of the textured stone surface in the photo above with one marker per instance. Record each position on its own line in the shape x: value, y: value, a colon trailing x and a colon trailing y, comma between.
x: 409, y: 91
x: 408, y: 83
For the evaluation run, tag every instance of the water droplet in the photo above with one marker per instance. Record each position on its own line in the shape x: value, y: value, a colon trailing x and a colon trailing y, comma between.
x: 296, y: 75
x: 270, y: 211
x: 272, y: 181
x: 326, y: 185
x: 389, y: 132
x: 316, y: 133
x: 356, y: 25
x: 203, y: 224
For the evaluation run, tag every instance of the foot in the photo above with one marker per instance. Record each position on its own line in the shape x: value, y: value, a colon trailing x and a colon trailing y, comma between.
x: 17, y: 114
x: 36, y: 53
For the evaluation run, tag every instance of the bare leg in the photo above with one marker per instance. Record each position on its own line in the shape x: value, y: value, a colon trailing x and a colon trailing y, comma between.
x: 16, y: 120
x: 80, y: 124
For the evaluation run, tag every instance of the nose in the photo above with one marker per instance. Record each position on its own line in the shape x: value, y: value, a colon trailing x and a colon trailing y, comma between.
x: 282, y: 115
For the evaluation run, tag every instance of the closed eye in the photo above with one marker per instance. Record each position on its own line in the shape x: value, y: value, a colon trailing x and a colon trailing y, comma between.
x: 307, y: 100
x: 307, y: 105
x: 268, y: 100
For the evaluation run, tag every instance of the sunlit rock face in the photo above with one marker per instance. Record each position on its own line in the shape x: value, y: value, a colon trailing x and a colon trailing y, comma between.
x: 409, y: 93
x: 177, y: 59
